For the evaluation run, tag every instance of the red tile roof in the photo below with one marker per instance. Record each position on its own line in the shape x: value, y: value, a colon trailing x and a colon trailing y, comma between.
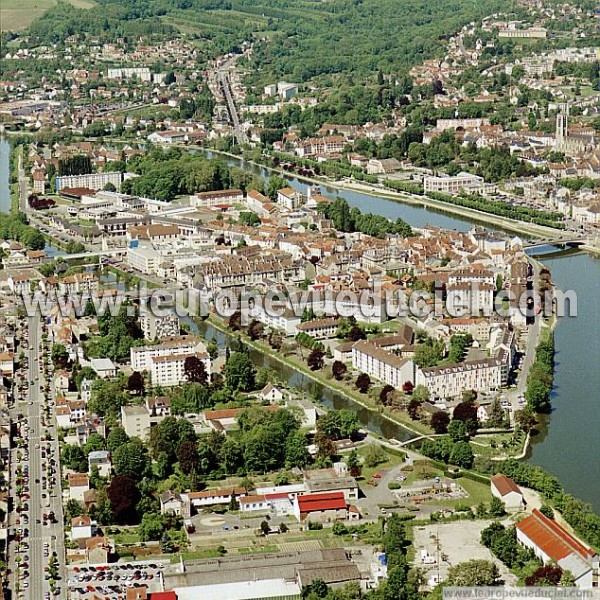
x: 551, y: 538
x: 316, y: 502
x: 505, y: 484
x: 163, y: 596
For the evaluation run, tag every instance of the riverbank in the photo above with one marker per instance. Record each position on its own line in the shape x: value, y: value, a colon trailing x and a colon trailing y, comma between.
x: 414, y: 428
x: 519, y: 227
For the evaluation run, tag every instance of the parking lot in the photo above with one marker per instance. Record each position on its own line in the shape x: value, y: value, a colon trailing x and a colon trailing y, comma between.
x: 113, y: 580
x: 439, y: 546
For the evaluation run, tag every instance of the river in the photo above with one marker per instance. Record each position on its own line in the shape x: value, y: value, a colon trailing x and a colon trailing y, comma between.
x: 4, y: 176
x: 570, y: 441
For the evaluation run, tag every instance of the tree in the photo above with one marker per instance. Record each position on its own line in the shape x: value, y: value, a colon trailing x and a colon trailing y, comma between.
x: 194, y: 370
x: 123, y: 495
x: 73, y: 508
x: 166, y: 545
x: 59, y: 356
x: 74, y: 458
x: 538, y: 396
x: 131, y: 459
x: 187, y: 456
x: 265, y: 527
x: 414, y: 408
x: 385, y: 394
x: 525, y: 419
x: 429, y: 353
x: 462, y: 455
x: 547, y: 511
x: 458, y: 431
x: 421, y: 393
x: 374, y: 455
x: 497, y: 508
x: 408, y: 387
x: 151, y: 527
x: 466, y: 412
x: 315, y: 360
x: 497, y: 416
x: 296, y: 453
x: 473, y: 573
x: 239, y: 372
x: 230, y: 454
x: 255, y: 330
x: 116, y: 438
x: 439, y: 421
x: 339, y: 424
x: 545, y: 576
x: 353, y: 462
x: 94, y: 442
x: 356, y: 334
x: 363, y: 383
x: 325, y: 446
x: 135, y: 383
x: 338, y: 370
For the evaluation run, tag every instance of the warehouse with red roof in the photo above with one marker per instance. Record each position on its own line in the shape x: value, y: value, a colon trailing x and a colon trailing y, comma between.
x: 552, y: 543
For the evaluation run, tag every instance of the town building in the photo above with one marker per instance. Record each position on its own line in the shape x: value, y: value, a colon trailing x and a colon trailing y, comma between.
x: 508, y: 491
x: 136, y: 421
x: 382, y: 365
x: 553, y: 544
x: 91, y: 181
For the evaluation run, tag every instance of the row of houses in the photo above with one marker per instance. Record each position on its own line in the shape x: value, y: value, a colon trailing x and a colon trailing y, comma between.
x: 325, y: 495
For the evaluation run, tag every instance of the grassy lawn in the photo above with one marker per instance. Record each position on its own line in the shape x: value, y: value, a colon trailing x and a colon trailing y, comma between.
x: 391, y: 461
x: 18, y: 14
x: 498, y: 444
x: 126, y: 537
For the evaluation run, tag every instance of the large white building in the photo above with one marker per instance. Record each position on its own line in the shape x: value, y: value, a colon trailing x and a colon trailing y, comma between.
x: 450, y: 381
x: 92, y: 181
x: 169, y: 370
x: 141, y: 356
x: 463, y: 182
x: 384, y: 366
x: 216, y: 198
x: 553, y: 544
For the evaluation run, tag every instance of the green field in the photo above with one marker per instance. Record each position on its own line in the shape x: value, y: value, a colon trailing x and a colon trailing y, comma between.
x: 18, y: 14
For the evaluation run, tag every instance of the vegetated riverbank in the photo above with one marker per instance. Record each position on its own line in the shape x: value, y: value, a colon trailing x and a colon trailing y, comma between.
x: 363, y: 400
x: 486, y: 219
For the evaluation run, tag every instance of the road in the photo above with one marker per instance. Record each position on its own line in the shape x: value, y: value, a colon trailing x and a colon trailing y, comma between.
x: 223, y: 79
x: 42, y: 539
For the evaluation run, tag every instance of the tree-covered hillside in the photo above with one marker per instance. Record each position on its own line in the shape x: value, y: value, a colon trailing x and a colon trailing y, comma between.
x: 306, y: 38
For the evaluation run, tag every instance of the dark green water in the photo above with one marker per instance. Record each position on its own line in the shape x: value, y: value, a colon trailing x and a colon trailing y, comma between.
x: 570, y: 446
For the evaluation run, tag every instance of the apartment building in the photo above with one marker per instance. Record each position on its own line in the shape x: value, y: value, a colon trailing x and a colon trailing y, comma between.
x: 217, y: 198
x: 463, y: 182
x: 169, y: 370
x: 91, y: 181
x: 450, y: 381
x: 159, y: 326
x: 332, y: 144
x: 383, y: 366
x: 141, y: 356
x: 136, y: 421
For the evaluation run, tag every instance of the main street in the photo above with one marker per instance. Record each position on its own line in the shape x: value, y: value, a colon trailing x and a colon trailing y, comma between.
x: 43, y: 539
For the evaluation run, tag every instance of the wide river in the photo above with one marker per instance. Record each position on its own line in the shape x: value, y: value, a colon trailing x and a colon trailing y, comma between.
x: 570, y: 445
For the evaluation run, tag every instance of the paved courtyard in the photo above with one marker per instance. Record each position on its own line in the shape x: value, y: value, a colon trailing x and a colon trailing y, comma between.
x: 448, y: 544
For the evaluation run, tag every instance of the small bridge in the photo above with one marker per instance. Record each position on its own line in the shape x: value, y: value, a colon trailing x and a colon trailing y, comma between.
x: 571, y: 242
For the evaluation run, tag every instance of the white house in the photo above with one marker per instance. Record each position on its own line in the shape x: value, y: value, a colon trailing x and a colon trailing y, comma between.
x: 79, y: 484
x: 83, y: 528
x: 508, y: 491
x: 270, y: 393
x: 100, y: 459
x: 104, y: 367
